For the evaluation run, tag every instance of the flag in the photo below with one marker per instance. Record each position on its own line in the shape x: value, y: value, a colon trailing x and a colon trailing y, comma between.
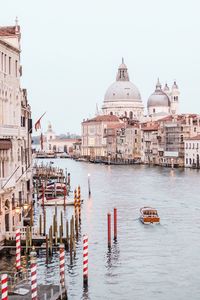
x: 41, y: 141
x: 37, y: 124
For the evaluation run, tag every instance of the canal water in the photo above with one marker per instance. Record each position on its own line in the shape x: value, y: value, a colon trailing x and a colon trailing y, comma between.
x: 157, y: 262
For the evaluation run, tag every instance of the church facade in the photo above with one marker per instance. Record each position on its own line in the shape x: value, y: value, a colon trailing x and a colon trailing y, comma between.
x: 123, y: 99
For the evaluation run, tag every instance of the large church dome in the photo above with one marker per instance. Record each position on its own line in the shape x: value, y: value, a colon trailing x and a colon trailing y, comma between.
x: 122, y: 91
x: 122, y: 98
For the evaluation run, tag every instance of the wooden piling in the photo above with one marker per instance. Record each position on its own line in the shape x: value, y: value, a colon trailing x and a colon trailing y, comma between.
x: 115, y: 224
x: 40, y: 225
x: 47, y: 249
x: 109, y: 229
x: 67, y: 235
x: 44, y: 222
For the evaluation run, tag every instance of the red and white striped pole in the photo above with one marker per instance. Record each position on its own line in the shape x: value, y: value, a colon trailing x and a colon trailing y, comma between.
x: 4, y: 287
x: 33, y: 275
x: 18, y: 250
x: 62, y: 265
x: 85, y: 260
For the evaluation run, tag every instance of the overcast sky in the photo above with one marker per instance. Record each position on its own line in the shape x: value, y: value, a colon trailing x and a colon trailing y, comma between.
x: 71, y: 51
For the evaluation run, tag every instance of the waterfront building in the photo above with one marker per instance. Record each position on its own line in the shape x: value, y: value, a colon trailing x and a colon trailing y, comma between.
x: 94, y: 138
x: 52, y: 143
x: 163, y: 140
x: 129, y: 142
x: 150, y: 143
x: 123, y: 98
x: 192, y: 150
x: 15, y: 135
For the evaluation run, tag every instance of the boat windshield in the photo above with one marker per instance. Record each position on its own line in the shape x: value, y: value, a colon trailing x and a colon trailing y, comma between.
x: 150, y: 212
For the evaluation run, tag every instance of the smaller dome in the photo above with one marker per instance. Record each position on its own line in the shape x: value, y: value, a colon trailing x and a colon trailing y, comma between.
x: 158, y: 98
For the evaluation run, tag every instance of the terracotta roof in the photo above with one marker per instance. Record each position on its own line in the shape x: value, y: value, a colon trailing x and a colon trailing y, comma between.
x: 150, y: 127
x: 116, y: 126
x: 194, y: 138
x: 8, y: 31
x: 103, y: 118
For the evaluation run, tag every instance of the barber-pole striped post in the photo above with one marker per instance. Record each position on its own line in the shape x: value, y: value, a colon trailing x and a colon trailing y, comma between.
x: 62, y: 266
x: 85, y: 260
x: 4, y: 287
x: 18, y: 250
x: 33, y: 275
x: 79, y: 202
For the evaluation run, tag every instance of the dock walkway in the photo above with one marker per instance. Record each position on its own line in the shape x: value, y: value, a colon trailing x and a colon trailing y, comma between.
x: 45, y: 292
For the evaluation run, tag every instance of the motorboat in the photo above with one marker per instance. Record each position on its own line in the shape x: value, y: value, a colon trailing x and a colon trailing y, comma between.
x: 149, y: 215
x: 56, y: 201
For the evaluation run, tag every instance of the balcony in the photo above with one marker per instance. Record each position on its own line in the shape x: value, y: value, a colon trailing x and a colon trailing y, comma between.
x: 9, y: 130
x: 10, y: 183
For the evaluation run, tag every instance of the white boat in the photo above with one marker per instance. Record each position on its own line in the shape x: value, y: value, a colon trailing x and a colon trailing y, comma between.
x: 59, y: 201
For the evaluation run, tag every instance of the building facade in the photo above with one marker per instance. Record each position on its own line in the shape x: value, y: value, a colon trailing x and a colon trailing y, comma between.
x: 192, y: 152
x: 94, y: 136
x: 15, y: 135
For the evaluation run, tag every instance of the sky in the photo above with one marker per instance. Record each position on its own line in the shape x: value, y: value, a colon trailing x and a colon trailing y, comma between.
x: 71, y: 51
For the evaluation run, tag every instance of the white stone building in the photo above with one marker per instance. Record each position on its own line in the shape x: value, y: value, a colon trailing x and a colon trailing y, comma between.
x: 15, y: 135
x: 192, y: 151
x: 163, y: 102
x: 123, y: 98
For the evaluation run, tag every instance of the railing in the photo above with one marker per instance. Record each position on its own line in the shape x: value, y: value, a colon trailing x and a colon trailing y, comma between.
x: 11, y: 235
x: 9, y: 130
x: 10, y: 183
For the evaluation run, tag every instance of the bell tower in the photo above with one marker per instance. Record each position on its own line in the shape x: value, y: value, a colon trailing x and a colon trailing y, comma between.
x: 174, y: 98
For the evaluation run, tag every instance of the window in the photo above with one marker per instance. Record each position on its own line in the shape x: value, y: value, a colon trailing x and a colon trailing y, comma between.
x: 186, y: 161
x: 193, y: 146
x: 186, y: 146
x: 5, y: 63
x: 190, y: 146
x: 135, y: 140
x: 135, y: 131
x: 111, y: 113
x: 2, y: 61
x: 190, y: 161
x: 9, y: 65
x: 154, y: 110
x: 181, y: 138
x: 195, y: 129
x: 16, y: 66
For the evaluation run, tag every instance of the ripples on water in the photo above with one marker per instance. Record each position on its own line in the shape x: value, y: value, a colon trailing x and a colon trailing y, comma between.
x: 147, y: 262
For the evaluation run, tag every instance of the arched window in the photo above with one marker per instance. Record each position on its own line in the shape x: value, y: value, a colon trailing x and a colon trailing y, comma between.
x: 125, y: 113
x: 54, y: 148
x: 111, y: 113
x: 131, y: 115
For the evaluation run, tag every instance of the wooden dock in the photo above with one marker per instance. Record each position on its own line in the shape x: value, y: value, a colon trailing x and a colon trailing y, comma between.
x: 45, y: 292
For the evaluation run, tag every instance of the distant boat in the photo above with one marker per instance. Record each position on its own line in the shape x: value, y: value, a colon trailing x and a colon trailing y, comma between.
x: 149, y: 215
x: 56, y: 201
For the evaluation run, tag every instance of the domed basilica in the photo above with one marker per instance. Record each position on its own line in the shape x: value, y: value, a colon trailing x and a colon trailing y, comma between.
x: 123, y: 99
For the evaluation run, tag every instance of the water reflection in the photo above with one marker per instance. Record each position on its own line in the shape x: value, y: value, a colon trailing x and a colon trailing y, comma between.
x: 159, y: 259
